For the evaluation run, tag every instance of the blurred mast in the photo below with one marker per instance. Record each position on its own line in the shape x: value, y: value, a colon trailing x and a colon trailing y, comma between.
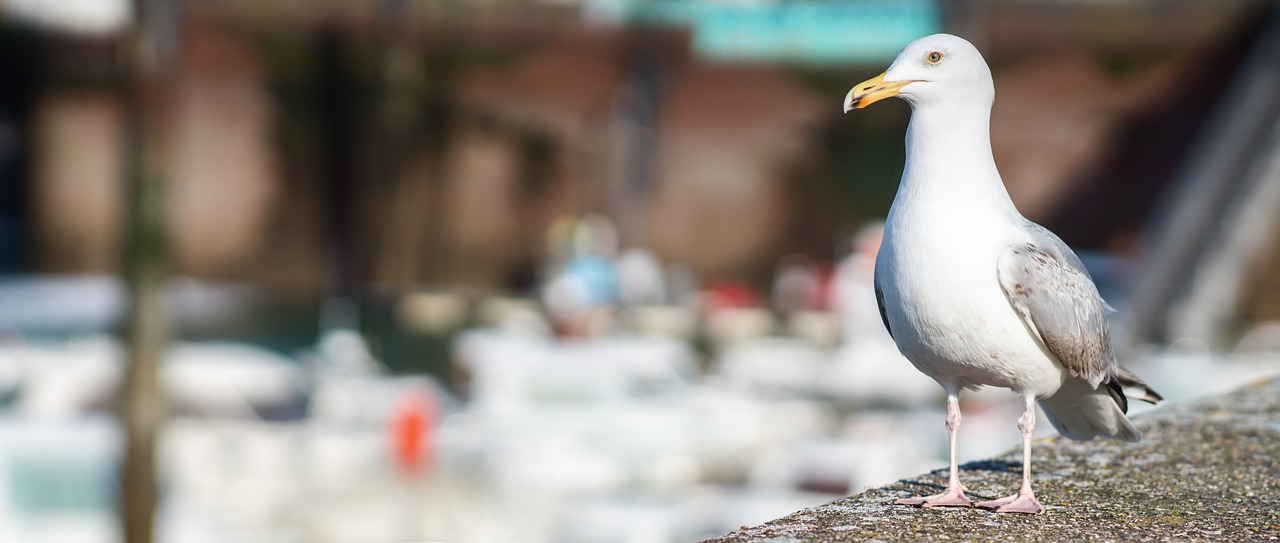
x: 634, y: 130
x: 335, y: 96
x: 148, y: 59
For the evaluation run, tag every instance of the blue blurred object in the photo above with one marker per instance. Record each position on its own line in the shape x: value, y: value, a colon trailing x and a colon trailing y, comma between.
x: 597, y: 274
x: 823, y: 33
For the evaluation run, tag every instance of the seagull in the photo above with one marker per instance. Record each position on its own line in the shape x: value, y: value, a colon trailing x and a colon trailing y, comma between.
x: 973, y: 293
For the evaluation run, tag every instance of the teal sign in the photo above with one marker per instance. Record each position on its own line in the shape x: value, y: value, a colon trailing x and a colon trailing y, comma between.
x: 809, y: 32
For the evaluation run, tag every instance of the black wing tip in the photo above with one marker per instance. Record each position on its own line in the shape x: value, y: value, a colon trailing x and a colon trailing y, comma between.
x: 1117, y: 393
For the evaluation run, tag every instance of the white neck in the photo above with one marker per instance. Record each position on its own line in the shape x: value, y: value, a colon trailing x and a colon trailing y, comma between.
x: 949, y: 159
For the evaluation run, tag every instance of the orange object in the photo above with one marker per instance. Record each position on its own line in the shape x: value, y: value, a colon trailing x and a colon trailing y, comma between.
x: 413, y: 433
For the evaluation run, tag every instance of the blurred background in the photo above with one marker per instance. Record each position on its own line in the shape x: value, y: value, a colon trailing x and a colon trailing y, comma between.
x: 579, y: 271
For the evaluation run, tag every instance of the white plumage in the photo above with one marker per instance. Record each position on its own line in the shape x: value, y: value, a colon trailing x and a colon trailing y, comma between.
x: 973, y: 293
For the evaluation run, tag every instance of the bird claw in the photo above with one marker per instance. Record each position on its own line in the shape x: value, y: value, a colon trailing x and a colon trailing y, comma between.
x: 951, y: 497
x: 1022, y: 502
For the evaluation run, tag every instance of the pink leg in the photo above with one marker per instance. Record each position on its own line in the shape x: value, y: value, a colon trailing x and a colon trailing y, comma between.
x: 953, y: 496
x: 1025, y: 500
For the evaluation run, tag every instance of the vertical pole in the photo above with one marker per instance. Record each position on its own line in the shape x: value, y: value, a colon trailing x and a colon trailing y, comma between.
x: 147, y: 57
x: 635, y: 132
x: 336, y: 95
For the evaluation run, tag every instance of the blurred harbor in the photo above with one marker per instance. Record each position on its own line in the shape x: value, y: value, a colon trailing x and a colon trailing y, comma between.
x: 565, y: 272
x: 628, y: 436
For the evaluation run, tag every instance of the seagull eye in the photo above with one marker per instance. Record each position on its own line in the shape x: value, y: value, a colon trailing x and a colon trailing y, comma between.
x: 933, y: 57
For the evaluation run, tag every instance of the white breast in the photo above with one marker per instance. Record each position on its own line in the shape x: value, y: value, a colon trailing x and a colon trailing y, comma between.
x: 949, y: 317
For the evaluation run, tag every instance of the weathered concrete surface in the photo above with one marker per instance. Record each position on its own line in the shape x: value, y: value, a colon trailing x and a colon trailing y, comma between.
x: 1205, y: 471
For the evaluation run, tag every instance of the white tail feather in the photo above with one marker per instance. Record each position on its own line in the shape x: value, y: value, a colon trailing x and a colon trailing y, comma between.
x: 1081, y: 412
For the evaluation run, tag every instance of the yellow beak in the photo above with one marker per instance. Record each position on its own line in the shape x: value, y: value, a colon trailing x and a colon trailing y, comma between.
x: 871, y: 91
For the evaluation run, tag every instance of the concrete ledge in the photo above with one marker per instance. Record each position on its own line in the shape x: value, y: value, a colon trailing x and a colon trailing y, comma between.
x: 1207, y: 470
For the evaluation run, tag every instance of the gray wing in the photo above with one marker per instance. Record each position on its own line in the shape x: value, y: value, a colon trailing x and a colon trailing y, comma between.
x: 875, y: 282
x: 1050, y: 289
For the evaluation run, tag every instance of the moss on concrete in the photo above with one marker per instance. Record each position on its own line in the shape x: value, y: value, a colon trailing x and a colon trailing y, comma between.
x: 1204, y: 471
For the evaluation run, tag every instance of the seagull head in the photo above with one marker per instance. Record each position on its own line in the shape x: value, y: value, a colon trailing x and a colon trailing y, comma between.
x: 932, y: 70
